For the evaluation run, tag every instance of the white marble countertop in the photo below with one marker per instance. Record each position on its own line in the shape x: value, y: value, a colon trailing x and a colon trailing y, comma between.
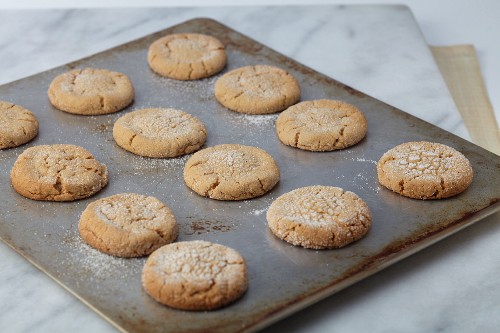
x: 452, y: 286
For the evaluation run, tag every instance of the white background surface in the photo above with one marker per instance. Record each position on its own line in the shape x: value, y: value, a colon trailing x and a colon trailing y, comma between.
x: 443, y: 22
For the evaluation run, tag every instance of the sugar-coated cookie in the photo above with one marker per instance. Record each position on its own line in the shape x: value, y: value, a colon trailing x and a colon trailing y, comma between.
x: 231, y: 172
x: 319, y: 217
x: 159, y: 132
x: 17, y: 125
x: 195, y: 275
x: 57, y: 173
x: 187, y: 56
x: 128, y: 225
x: 259, y: 89
x: 424, y: 170
x: 91, y: 91
x: 321, y: 125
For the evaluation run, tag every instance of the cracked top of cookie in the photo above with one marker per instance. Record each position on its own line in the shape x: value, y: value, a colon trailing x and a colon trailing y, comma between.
x: 425, y: 170
x: 195, y: 275
x: 161, y: 123
x: 259, y: 89
x: 196, y: 260
x: 321, y: 125
x: 319, y: 217
x: 128, y: 224
x: 17, y: 125
x: 91, y: 91
x: 58, y: 173
x: 231, y: 172
x: 187, y: 56
x: 132, y: 212
x: 159, y: 132
x: 320, y: 206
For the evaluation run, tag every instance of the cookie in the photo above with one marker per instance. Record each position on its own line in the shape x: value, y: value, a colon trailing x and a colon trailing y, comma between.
x: 231, y: 172
x: 17, y: 125
x: 321, y: 125
x: 159, y: 132
x: 91, y: 91
x: 187, y: 56
x: 127, y: 225
x: 57, y: 173
x: 424, y: 170
x: 259, y: 89
x: 195, y: 275
x: 319, y: 217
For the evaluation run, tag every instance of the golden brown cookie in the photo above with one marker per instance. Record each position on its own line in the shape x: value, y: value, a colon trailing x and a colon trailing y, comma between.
x: 231, y: 172
x: 195, y: 275
x: 319, y: 217
x: 91, y: 91
x: 159, y: 132
x: 17, y: 125
x: 424, y: 170
x: 127, y: 225
x: 187, y: 56
x: 259, y: 89
x: 57, y: 173
x: 321, y: 125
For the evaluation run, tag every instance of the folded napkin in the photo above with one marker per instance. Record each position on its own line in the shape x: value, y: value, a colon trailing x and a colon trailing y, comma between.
x: 460, y: 68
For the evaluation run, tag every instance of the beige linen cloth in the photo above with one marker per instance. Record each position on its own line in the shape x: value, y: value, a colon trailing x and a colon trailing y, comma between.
x: 460, y: 68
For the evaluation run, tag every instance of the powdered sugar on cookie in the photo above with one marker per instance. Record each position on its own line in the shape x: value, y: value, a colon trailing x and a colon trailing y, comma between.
x: 319, y: 217
x: 424, y: 170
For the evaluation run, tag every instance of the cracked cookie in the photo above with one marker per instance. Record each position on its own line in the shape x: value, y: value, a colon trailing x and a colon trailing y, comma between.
x: 57, y: 173
x: 159, y: 132
x: 319, y: 217
x: 259, y: 89
x: 424, y: 170
x: 17, y: 125
x: 187, y: 56
x: 231, y: 172
x: 91, y: 91
x: 321, y: 125
x: 195, y: 275
x: 127, y: 225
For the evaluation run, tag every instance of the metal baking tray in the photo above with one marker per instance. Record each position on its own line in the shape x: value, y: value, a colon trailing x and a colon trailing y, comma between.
x: 282, y: 278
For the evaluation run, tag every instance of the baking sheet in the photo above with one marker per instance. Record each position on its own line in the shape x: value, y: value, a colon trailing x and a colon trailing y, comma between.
x: 282, y: 278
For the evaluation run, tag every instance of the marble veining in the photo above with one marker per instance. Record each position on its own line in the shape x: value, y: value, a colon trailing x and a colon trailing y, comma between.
x: 450, y: 287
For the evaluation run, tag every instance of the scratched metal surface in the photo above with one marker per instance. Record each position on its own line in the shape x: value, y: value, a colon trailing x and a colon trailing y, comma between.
x: 282, y: 278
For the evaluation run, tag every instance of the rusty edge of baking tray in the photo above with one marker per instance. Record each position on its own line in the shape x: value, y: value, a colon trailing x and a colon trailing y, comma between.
x: 401, y: 226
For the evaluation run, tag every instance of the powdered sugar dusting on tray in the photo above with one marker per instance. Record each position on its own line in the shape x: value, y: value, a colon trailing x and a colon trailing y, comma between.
x: 365, y: 182
x: 258, y: 212
x: 145, y: 162
x: 253, y: 125
x: 95, y: 264
x: 267, y: 119
x: 359, y: 159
